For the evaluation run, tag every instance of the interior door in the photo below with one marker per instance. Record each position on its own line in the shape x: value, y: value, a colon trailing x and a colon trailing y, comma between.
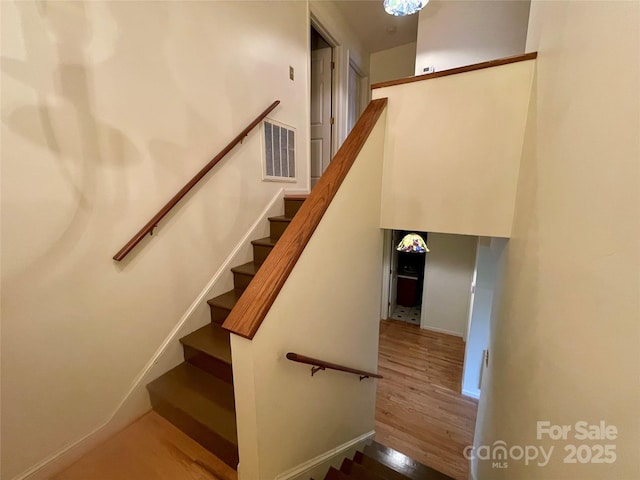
x: 320, y: 112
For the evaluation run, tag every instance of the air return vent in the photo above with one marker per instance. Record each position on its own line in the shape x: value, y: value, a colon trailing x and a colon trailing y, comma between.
x: 279, y: 152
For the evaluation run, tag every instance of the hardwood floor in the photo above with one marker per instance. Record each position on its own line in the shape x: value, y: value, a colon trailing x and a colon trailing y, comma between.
x: 419, y: 408
x: 149, y: 449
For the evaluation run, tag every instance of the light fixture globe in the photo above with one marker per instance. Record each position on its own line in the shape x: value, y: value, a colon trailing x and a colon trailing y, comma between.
x: 401, y: 8
x: 412, y: 243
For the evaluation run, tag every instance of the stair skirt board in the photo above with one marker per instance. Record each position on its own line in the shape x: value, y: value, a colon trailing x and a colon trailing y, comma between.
x: 317, y: 467
x: 135, y: 402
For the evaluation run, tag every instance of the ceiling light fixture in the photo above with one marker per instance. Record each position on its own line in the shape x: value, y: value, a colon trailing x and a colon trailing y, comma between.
x: 412, y: 243
x: 401, y: 8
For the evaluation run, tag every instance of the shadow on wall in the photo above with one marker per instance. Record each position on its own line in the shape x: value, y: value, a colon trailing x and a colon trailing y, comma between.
x: 91, y: 154
x: 63, y: 119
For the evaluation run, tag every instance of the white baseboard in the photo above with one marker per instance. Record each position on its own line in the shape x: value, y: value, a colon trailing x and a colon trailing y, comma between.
x: 304, y: 191
x: 135, y: 401
x: 441, y: 330
x: 471, y: 394
x: 318, y: 466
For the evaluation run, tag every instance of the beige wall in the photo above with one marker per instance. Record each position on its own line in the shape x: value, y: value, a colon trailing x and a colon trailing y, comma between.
x: 447, y: 283
x: 393, y: 63
x: 452, y: 152
x: 327, y: 309
x: 455, y: 33
x: 566, y: 335
x: 107, y: 109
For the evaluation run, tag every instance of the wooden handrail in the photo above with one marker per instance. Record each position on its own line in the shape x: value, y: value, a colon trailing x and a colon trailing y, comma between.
x: 454, y: 71
x: 322, y: 365
x: 252, y: 307
x: 153, y: 223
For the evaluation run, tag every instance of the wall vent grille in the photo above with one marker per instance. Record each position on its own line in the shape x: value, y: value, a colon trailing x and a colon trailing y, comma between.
x: 279, y: 151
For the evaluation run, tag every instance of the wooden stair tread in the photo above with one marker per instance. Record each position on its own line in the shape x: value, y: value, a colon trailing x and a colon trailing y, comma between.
x: 227, y: 300
x: 212, y: 340
x: 400, y: 462
x: 280, y: 218
x: 265, y: 242
x: 249, y: 268
x: 377, y: 468
x: 301, y: 196
x: 203, y: 397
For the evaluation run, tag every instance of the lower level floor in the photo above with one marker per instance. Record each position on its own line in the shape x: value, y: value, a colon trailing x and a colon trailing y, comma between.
x: 419, y: 408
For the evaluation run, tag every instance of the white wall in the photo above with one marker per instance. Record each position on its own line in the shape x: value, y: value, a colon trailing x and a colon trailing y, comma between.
x: 329, y: 308
x: 566, y: 337
x: 452, y: 152
x: 487, y: 261
x: 447, y: 283
x: 393, y: 63
x: 107, y: 109
x: 454, y: 33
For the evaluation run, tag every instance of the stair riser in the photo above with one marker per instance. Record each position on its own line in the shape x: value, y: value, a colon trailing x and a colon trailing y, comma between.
x: 241, y: 281
x: 277, y: 228
x: 291, y: 207
x: 218, y: 315
x: 209, y: 439
x: 358, y: 472
x: 260, y: 253
x: 334, y: 474
x: 209, y: 364
x: 347, y: 466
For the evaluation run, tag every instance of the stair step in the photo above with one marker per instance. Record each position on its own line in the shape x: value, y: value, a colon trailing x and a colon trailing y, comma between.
x: 209, y: 348
x: 357, y: 472
x: 377, y: 468
x: 292, y: 204
x: 401, y: 463
x: 277, y: 225
x: 222, y: 304
x: 360, y: 472
x: 200, y: 405
x: 261, y: 248
x: 334, y: 474
x: 243, y: 274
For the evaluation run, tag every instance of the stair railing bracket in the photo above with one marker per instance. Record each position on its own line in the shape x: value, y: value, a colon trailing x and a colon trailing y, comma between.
x: 315, y: 369
x: 362, y: 377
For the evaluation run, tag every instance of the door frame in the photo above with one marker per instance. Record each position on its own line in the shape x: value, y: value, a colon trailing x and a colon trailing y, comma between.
x: 342, y: 58
x: 387, y: 271
x: 335, y: 49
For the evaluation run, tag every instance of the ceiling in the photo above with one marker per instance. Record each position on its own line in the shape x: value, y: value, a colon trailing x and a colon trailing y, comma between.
x: 376, y: 29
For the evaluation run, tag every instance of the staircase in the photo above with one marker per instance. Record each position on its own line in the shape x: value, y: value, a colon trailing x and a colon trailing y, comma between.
x: 382, y: 463
x: 197, y: 395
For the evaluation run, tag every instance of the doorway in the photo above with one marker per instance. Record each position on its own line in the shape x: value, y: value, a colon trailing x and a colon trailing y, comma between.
x: 321, y: 105
x: 406, y: 280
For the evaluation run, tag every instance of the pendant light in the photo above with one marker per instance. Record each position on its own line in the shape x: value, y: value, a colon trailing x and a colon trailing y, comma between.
x: 412, y: 243
x: 401, y: 8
